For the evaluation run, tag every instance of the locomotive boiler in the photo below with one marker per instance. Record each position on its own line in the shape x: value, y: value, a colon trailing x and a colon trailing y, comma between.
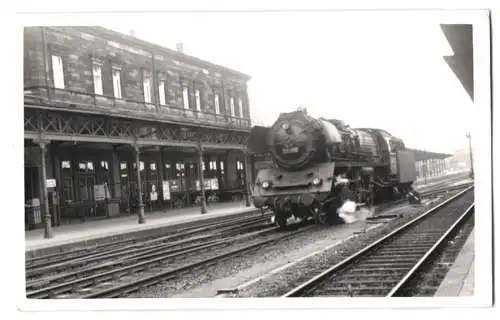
x: 318, y: 164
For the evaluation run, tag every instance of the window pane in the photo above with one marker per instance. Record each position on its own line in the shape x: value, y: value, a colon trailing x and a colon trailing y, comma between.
x: 96, y: 70
x: 217, y: 110
x: 240, y: 104
x: 57, y: 72
x: 231, y: 102
x: 185, y: 97
x: 161, y: 90
x: 66, y: 164
x: 117, y: 89
x: 147, y: 88
x: 198, y: 102
x: 104, y: 164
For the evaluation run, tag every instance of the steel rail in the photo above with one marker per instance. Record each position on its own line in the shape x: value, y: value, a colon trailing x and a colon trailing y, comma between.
x: 318, y: 278
x: 166, y: 252
x: 398, y: 287
x: 140, y: 249
x: 68, y: 286
x: 90, y: 251
x: 107, y: 247
x: 171, y: 274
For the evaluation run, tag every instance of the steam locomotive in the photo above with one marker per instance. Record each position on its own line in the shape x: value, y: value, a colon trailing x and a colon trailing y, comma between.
x: 318, y: 164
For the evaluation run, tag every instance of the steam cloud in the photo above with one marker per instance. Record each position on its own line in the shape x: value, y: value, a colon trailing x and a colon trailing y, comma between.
x: 350, y: 214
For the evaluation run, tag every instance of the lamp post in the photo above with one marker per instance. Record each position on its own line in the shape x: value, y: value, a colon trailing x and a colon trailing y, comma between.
x: 470, y: 155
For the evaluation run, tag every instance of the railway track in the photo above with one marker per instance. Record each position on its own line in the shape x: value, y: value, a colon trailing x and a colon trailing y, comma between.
x: 122, y: 280
x: 444, y: 189
x: 386, y: 266
x: 126, y: 244
x: 128, y: 265
x: 140, y: 251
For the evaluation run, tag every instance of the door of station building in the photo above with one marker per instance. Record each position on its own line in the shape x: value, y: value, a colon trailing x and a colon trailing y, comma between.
x: 178, y: 185
x: 31, y: 193
x: 126, y: 191
x: 151, y: 183
x: 85, y: 181
x: 31, y: 184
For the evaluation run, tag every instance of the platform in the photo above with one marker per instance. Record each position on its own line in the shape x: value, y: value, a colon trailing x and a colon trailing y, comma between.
x: 91, y: 232
x: 459, y: 280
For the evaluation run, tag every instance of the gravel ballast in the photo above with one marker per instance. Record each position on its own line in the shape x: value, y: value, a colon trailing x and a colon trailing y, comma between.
x: 279, y: 254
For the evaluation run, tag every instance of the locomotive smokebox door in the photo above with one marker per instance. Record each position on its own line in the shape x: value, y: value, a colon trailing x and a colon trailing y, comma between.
x: 257, y: 143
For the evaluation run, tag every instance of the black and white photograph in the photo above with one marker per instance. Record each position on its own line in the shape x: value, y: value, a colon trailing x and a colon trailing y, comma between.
x: 255, y: 157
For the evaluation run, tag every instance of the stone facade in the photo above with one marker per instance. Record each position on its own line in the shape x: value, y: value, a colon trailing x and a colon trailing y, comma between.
x: 80, y: 47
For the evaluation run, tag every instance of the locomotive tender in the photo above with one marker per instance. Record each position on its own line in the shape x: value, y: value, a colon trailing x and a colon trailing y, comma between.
x: 318, y: 164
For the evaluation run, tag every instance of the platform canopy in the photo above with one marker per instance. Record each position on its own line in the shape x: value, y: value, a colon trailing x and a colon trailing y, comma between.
x: 421, y: 155
x: 459, y: 37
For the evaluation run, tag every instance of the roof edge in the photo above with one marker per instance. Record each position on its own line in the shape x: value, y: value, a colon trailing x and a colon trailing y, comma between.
x: 181, y: 56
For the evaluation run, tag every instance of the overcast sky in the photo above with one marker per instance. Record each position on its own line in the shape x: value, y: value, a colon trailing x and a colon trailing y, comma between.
x: 368, y: 69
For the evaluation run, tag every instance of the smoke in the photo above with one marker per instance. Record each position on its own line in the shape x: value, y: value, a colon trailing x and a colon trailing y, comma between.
x: 350, y: 213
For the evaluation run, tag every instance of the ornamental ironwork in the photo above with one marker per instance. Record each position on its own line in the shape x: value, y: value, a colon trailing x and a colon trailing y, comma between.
x: 81, y: 126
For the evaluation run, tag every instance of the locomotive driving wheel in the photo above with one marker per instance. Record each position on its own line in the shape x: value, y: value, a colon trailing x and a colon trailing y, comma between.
x: 280, y: 218
x: 321, y: 216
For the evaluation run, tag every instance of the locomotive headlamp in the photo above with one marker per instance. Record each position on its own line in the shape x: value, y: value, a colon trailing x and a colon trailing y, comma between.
x: 285, y: 126
x: 316, y: 181
x: 265, y: 184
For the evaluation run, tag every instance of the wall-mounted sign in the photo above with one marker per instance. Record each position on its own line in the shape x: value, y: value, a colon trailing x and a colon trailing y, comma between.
x: 99, y: 192
x: 207, y: 184
x: 51, y: 183
x: 166, y: 190
x: 214, y: 184
x: 153, y: 194
x: 174, y: 186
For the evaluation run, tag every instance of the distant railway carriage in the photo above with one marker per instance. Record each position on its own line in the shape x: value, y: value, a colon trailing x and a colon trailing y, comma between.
x: 317, y: 164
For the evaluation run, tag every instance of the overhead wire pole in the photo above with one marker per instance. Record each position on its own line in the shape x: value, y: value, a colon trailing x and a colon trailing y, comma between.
x: 470, y: 155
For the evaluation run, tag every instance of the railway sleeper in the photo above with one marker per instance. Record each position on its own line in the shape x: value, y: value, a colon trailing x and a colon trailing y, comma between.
x: 364, y: 283
x: 378, y: 268
x: 398, y: 255
x: 408, y: 247
x: 404, y: 250
x: 374, y: 276
x: 388, y: 264
x: 416, y: 240
x: 375, y: 291
x: 391, y: 259
x: 428, y: 232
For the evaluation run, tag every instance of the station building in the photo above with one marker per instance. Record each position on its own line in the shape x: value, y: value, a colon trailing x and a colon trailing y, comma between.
x: 116, y: 125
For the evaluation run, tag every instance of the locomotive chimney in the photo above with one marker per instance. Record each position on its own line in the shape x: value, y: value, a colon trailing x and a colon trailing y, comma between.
x: 180, y: 47
x: 303, y: 109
